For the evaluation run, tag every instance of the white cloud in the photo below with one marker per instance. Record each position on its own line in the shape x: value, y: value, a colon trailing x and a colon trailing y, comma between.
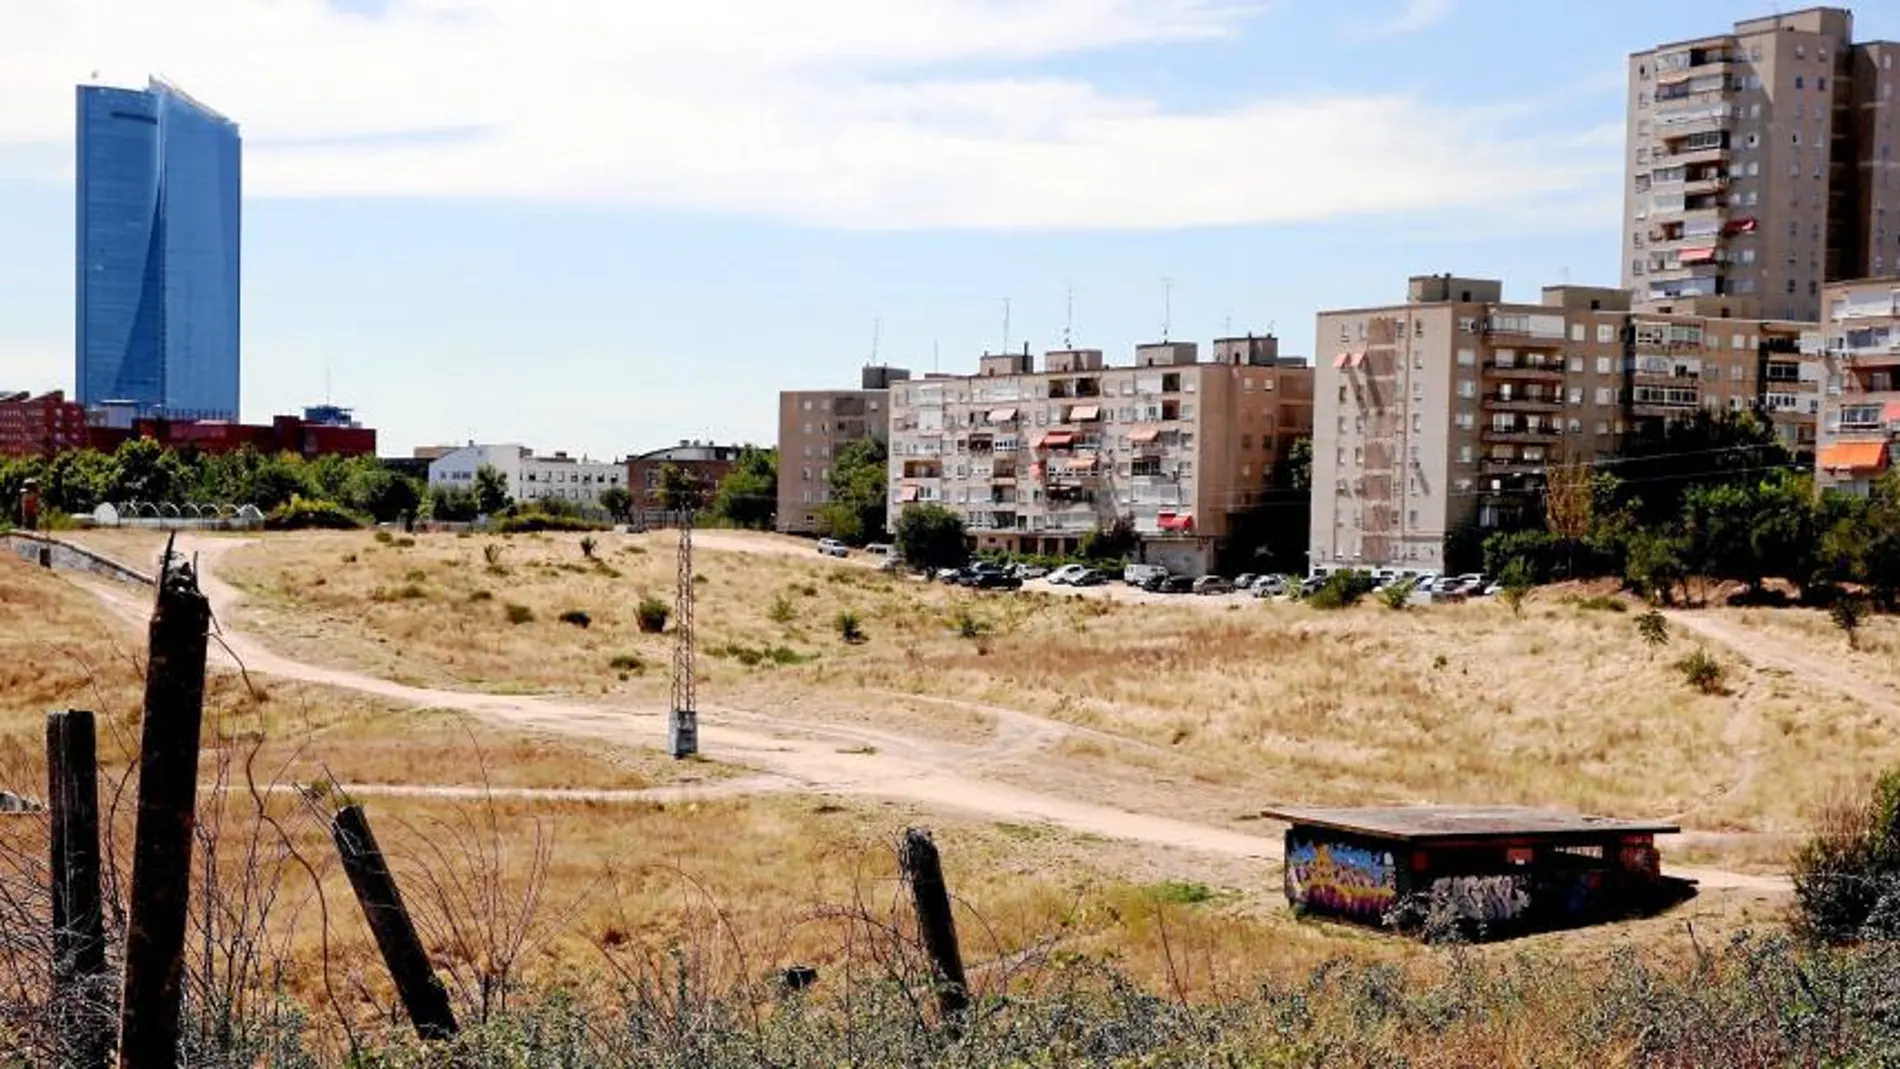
x: 859, y: 113
x: 1413, y: 16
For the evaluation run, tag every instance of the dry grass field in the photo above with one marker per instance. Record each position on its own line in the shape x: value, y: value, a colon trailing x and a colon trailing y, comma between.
x: 1192, y: 706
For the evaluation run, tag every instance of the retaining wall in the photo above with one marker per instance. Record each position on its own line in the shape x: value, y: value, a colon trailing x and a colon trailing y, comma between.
x: 54, y: 553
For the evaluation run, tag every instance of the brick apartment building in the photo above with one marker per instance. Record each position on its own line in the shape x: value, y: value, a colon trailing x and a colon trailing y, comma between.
x: 1760, y: 164
x: 1035, y: 459
x: 704, y: 461
x: 1860, y: 408
x: 812, y: 426
x: 40, y: 425
x: 283, y: 434
x: 1444, y: 411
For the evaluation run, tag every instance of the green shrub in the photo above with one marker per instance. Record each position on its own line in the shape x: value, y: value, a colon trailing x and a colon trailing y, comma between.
x: 532, y: 520
x: 405, y: 592
x: 1397, y: 595
x: 651, y: 614
x: 588, y: 544
x: 481, y: 595
x: 1342, y: 589
x: 782, y: 611
x: 1653, y: 628
x: 1847, y: 612
x: 304, y: 514
x: 577, y: 618
x: 1600, y: 603
x: 518, y: 614
x: 1847, y: 875
x: 627, y: 662
x: 969, y: 626
x: 849, y: 627
x: 1703, y: 672
x: 754, y: 656
x: 385, y: 537
x: 405, y: 542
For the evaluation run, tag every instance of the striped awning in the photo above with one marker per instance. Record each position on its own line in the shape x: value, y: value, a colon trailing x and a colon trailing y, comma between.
x: 1854, y: 456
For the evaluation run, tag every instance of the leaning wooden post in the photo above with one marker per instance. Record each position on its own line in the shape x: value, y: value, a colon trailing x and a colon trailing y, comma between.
x: 923, y: 870
x: 161, y: 850
x: 422, y: 992
x: 80, y: 980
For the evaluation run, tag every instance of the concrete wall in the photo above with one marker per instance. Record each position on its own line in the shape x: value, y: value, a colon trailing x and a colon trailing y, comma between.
x: 65, y: 556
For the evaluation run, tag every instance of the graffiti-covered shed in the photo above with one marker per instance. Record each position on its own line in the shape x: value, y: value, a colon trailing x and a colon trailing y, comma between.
x: 1500, y: 869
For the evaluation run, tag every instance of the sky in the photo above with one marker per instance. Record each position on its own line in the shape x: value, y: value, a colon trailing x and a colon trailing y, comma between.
x: 603, y: 226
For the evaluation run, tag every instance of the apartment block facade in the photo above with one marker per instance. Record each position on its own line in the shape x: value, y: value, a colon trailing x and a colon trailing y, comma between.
x: 812, y: 426
x: 1761, y: 166
x: 1444, y: 412
x: 530, y: 477
x: 1860, y: 413
x: 1034, y: 459
x: 40, y: 424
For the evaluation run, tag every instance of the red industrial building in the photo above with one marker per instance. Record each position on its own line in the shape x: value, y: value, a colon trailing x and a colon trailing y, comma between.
x: 40, y: 426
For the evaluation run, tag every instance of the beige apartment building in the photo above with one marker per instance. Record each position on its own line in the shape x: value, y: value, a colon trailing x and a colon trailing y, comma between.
x: 1033, y: 459
x: 1860, y: 410
x: 1444, y: 411
x: 1760, y: 166
x: 812, y: 426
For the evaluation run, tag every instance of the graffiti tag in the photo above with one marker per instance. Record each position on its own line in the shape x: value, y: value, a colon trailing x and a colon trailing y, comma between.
x: 1483, y: 898
x: 1335, y: 878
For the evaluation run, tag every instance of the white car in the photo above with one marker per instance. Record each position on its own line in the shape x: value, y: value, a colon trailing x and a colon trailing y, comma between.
x: 831, y: 547
x: 1137, y: 574
x: 1067, y: 574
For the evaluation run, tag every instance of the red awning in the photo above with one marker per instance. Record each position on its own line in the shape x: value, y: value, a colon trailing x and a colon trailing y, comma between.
x: 1340, y: 360
x: 1355, y: 359
x: 908, y: 493
x: 1176, y: 521
x: 1854, y: 456
x: 1744, y: 225
x: 1704, y: 255
x: 1890, y: 412
x: 1055, y: 438
x: 1144, y: 435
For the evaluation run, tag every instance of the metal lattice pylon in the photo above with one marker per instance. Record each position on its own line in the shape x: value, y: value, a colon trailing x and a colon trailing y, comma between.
x: 682, y: 723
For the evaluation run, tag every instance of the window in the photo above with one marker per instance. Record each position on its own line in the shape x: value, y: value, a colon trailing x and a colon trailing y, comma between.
x: 1603, y: 365
x: 1602, y: 427
x: 1576, y: 329
x: 1576, y: 363
x: 1754, y: 141
x: 1576, y: 395
x: 1418, y: 426
x: 1466, y: 419
x: 1799, y: 83
x: 1820, y: 83
x: 1791, y: 285
x: 1605, y: 333
x: 808, y: 404
x: 1748, y: 256
x: 1464, y: 454
x: 1575, y: 426
x: 1467, y: 388
x: 1603, y: 395
x: 1467, y: 358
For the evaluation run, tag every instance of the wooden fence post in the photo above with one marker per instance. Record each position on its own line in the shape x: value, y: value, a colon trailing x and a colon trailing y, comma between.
x: 422, y: 992
x: 81, y: 999
x: 168, y: 794
x: 923, y: 870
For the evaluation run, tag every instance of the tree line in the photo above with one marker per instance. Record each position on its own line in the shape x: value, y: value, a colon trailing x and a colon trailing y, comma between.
x: 1715, y: 498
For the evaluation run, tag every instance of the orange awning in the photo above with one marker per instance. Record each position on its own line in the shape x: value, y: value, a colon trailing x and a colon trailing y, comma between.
x: 1890, y: 412
x: 1083, y: 462
x: 1085, y: 413
x: 1355, y: 359
x: 1002, y: 415
x: 1143, y: 435
x: 1340, y: 360
x: 908, y: 493
x: 1854, y: 456
x: 1176, y: 521
x: 1697, y: 256
x: 1055, y: 438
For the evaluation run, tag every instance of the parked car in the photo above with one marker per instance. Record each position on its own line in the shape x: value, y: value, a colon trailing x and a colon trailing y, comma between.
x: 1245, y: 580
x: 1268, y: 586
x: 882, y: 549
x: 1176, y: 584
x: 1030, y: 571
x: 989, y: 577
x: 948, y: 576
x: 1067, y: 574
x: 1152, y: 584
x: 1212, y: 584
x: 1088, y: 577
x: 1139, y: 574
x: 1311, y: 585
x: 831, y: 547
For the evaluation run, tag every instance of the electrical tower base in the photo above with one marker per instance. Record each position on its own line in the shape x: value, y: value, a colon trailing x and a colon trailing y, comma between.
x: 682, y: 733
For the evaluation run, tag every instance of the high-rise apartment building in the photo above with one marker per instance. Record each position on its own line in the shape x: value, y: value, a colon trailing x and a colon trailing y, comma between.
x: 159, y: 190
x: 1860, y: 413
x: 1035, y: 459
x: 812, y: 426
x: 1443, y: 412
x: 1760, y: 167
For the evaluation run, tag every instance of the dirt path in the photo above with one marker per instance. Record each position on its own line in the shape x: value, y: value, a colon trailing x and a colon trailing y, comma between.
x: 845, y: 760
x: 1764, y: 652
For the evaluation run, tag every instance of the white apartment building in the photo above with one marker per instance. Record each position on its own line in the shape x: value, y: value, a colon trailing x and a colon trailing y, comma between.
x: 556, y: 477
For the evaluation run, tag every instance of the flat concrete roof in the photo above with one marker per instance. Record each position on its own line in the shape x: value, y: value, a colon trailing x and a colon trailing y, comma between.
x: 1422, y: 823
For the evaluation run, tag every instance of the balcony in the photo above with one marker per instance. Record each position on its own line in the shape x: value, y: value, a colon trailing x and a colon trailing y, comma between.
x: 1528, y: 433
x: 1548, y: 372
x: 1523, y: 403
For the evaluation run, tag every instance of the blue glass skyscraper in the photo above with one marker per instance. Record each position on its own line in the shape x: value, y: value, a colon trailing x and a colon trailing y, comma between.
x: 160, y: 185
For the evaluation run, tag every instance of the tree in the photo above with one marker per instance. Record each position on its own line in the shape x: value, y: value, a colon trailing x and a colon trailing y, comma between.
x: 618, y: 503
x: 1295, y: 472
x: 1654, y: 565
x: 491, y: 490
x: 1847, y: 613
x: 1749, y: 531
x: 680, y: 489
x: 143, y: 470
x: 1517, y: 582
x: 451, y: 504
x: 931, y: 537
x: 1117, y: 541
x: 748, y: 495
x: 1653, y: 627
x: 857, y: 510
x: 1706, y: 449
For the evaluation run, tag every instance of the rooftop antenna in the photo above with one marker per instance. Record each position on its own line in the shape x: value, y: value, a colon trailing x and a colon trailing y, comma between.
x: 933, y: 354
x: 877, y: 328
x: 1005, y: 347
x: 1167, y: 307
x: 1068, y: 322
x: 1563, y: 275
x: 1227, y: 325
x: 326, y: 383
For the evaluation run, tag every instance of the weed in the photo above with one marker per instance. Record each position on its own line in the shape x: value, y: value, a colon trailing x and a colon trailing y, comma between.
x: 405, y: 542
x: 1703, y: 672
x: 519, y: 614
x: 969, y: 626
x: 1439, y: 662
x: 578, y: 618
x: 1600, y: 603
x: 782, y: 611
x: 651, y: 614
x: 415, y: 575
x: 385, y: 537
x: 588, y: 544
x: 481, y: 595
x: 849, y: 628
x: 349, y: 558
x: 1653, y: 626
x: 1342, y: 590
x: 808, y: 590
x: 754, y: 656
x: 492, y: 553
x: 1847, y: 612
x: 627, y: 662
x: 1398, y: 595
x: 1180, y: 893
x: 405, y: 592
